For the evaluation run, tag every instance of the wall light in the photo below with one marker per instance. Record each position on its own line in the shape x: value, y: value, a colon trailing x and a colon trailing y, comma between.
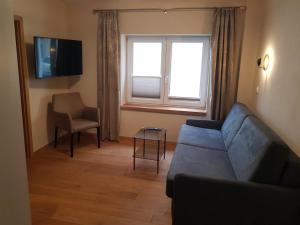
x: 52, y: 49
x: 264, y: 63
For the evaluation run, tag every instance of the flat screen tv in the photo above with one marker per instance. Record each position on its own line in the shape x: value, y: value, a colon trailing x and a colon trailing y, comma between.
x: 57, y: 57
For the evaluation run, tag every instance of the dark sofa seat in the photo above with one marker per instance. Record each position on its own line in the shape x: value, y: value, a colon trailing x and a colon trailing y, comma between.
x: 234, y: 173
x: 214, y: 164
x: 201, y: 137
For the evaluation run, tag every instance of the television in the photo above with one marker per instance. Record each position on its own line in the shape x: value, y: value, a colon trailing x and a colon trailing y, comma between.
x: 57, y: 57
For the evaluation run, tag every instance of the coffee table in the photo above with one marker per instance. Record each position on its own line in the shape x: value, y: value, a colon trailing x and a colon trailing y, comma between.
x: 150, y: 143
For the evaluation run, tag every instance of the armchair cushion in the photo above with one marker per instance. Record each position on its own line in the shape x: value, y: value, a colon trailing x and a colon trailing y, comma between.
x: 83, y: 124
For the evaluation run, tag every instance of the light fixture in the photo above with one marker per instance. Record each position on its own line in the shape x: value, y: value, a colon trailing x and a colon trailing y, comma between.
x: 165, y: 11
x: 52, y: 49
x: 264, y: 63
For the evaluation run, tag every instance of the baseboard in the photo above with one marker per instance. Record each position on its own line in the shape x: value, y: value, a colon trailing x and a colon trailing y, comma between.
x: 123, y: 139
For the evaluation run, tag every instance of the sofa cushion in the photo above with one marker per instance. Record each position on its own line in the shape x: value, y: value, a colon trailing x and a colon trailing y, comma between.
x: 201, y: 137
x: 234, y: 122
x: 200, y: 162
x: 257, y: 154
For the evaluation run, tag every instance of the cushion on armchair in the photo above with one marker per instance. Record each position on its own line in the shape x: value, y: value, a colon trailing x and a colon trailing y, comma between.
x: 83, y: 124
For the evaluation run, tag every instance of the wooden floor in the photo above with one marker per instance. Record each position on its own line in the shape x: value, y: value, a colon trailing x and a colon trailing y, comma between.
x: 97, y: 186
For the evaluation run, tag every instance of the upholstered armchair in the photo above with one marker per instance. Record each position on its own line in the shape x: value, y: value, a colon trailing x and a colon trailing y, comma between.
x: 71, y: 115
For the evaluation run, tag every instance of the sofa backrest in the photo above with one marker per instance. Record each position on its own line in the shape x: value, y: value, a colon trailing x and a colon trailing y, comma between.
x: 291, y: 174
x: 233, y: 122
x: 257, y: 154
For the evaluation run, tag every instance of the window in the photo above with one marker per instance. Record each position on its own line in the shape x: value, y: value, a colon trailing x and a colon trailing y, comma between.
x: 170, y: 70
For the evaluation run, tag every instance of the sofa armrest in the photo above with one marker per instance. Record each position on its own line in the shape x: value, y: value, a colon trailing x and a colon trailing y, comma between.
x: 63, y: 120
x: 209, y: 124
x: 207, y: 201
x: 91, y: 113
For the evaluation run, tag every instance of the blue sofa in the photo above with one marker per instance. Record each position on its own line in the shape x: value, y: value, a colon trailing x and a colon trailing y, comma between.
x: 236, y: 172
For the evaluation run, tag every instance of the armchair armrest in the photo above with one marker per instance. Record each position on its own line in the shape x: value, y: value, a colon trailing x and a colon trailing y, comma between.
x: 209, y: 201
x: 63, y: 120
x: 91, y: 113
x: 210, y: 124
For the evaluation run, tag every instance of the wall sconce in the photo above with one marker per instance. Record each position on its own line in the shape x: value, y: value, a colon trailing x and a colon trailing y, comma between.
x: 264, y: 63
x: 52, y: 49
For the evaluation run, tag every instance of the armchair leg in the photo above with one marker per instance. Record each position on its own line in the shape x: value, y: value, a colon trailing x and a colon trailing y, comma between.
x: 78, y: 136
x: 72, y: 144
x: 55, y: 137
x: 98, y: 136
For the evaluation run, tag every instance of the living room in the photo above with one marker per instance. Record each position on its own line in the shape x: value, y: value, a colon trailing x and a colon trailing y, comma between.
x: 238, y: 102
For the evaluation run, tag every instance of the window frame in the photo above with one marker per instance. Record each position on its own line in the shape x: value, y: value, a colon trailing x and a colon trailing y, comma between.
x: 166, y: 57
x: 129, y: 65
x: 183, y: 101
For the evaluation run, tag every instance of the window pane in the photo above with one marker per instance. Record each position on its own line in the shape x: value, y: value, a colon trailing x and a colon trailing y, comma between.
x: 146, y: 87
x: 186, y: 67
x: 147, y: 59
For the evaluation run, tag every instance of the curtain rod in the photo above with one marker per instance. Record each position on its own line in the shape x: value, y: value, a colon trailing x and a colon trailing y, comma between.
x: 165, y: 10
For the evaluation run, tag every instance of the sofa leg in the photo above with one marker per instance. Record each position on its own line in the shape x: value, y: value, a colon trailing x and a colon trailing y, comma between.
x: 72, y: 144
x: 98, y: 136
x: 55, y: 137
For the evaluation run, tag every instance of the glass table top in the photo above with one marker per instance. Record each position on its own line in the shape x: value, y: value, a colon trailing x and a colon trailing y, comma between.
x: 151, y: 133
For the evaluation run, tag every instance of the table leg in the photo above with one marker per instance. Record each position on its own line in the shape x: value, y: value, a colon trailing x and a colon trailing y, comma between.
x: 165, y: 143
x: 144, y: 146
x: 158, y: 148
x: 134, y: 146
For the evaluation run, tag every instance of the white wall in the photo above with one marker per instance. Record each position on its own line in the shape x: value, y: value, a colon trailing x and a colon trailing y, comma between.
x: 251, y: 43
x: 42, y: 18
x: 277, y: 102
x: 188, y: 22
x: 14, y: 201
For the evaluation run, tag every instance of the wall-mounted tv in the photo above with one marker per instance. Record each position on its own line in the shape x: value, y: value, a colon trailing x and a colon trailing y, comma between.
x: 57, y: 57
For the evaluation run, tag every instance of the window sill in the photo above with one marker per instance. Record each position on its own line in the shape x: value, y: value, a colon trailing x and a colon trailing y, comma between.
x: 164, y: 109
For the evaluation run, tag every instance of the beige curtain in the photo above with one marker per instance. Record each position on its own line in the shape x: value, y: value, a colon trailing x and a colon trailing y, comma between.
x: 226, y: 53
x: 108, y: 74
